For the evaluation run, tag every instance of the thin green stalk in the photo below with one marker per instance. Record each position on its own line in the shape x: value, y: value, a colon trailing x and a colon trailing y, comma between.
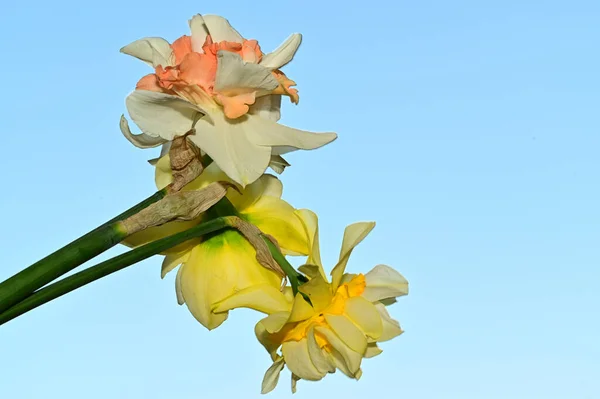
x: 44, y: 271
x: 105, y: 268
x: 296, y: 279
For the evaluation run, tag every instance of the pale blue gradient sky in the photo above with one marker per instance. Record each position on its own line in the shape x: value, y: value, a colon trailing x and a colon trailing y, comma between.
x: 468, y: 131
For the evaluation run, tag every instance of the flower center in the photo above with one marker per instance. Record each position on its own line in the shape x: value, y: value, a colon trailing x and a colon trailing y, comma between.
x: 299, y: 331
x: 193, y: 75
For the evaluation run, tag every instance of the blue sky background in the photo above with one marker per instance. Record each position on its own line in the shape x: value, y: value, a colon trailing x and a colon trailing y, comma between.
x: 468, y: 131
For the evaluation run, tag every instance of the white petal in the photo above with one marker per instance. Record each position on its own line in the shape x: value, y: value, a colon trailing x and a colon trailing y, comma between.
x: 234, y: 74
x: 384, y: 282
x: 278, y: 164
x: 267, y: 107
x: 164, y: 150
x: 141, y: 140
x: 282, y: 54
x: 199, y: 33
x: 284, y: 139
x: 161, y: 115
x: 391, y: 328
x: 353, y: 235
x: 272, y: 376
x: 231, y: 147
x: 154, y: 51
x: 220, y: 29
x: 298, y: 360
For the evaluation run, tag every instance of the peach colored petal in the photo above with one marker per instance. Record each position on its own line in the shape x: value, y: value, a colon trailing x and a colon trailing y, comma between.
x: 150, y: 82
x: 181, y: 47
x: 251, y: 52
x: 199, y: 69
x: 236, y: 106
x: 167, y: 77
x: 284, y: 88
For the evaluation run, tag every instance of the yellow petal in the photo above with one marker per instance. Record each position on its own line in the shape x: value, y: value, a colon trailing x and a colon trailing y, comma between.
x: 311, y: 271
x: 347, y: 360
x: 391, y: 328
x: 275, y: 321
x: 276, y: 217
x: 364, y: 314
x: 311, y: 226
x: 318, y: 292
x: 298, y: 360
x: 317, y: 355
x: 262, y: 297
x: 353, y: 235
x: 215, y: 270
x: 155, y: 233
x: 272, y: 376
x: 372, y: 351
x: 170, y: 262
x: 301, y: 310
x: 266, y: 339
x: 384, y: 282
x: 348, y: 332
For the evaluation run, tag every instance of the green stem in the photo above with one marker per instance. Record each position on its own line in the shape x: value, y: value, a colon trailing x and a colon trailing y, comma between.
x: 105, y: 268
x: 24, y: 283
x: 295, y: 278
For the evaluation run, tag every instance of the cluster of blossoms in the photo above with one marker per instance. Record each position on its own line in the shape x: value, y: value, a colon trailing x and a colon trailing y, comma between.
x: 222, y: 95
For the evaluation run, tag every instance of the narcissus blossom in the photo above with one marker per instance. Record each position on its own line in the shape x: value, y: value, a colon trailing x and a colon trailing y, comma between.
x: 341, y: 322
x: 224, y: 87
x: 220, y: 272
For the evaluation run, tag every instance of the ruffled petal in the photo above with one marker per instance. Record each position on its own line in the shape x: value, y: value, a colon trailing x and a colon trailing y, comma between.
x: 391, y: 328
x: 372, y: 351
x: 347, y: 360
x: 364, y: 314
x: 283, y: 54
x: 154, y: 51
x: 383, y: 282
x: 301, y: 310
x: 353, y: 235
x: 348, y: 332
x: 275, y: 322
x: 298, y: 360
x: 318, y: 355
x: 318, y: 292
x: 141, y: 140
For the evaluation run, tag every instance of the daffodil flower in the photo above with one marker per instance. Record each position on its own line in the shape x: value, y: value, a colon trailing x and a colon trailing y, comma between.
x: 342, y: 323
x: 220, y: 272
x: 225, y: 88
